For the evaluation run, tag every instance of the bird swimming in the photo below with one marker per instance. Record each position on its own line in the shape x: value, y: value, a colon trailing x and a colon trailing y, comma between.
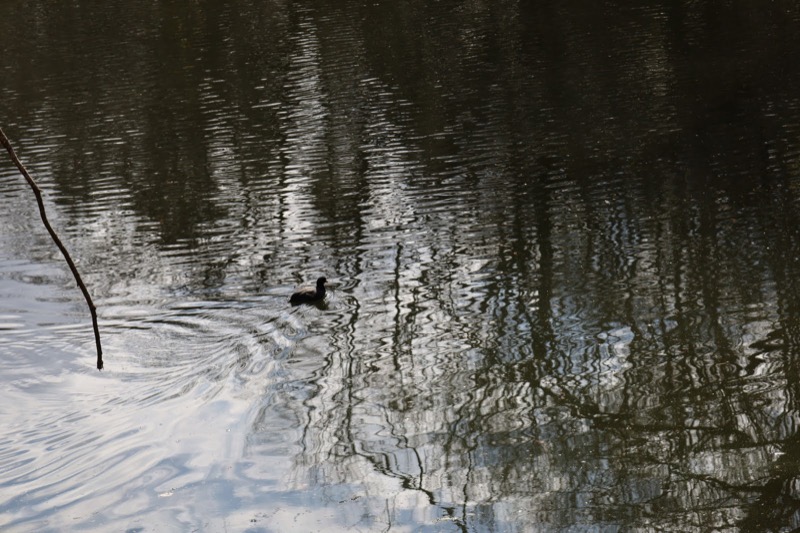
x: 306, y: 295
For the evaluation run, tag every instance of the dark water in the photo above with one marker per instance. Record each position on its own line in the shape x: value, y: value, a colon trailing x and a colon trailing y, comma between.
x: 562, y: 238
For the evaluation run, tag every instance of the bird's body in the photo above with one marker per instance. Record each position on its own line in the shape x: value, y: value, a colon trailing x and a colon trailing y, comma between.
x: 305, y: 295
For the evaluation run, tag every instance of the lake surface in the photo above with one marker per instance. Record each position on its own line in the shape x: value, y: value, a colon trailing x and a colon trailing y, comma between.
x: 562, y: 239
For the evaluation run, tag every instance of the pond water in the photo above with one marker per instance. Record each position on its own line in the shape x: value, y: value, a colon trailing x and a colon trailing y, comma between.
x: 562, y: 241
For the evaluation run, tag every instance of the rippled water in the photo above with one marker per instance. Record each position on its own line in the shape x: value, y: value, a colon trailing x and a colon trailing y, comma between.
x: 562, y: 244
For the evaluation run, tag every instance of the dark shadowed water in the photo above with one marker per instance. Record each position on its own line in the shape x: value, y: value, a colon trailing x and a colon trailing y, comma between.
x: 563, y: 242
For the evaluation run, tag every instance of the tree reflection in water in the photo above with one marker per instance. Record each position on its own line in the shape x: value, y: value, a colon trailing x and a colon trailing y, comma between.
x: 566, y: 238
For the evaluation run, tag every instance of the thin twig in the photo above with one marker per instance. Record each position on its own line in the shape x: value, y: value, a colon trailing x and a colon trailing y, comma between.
x: 38, y: 193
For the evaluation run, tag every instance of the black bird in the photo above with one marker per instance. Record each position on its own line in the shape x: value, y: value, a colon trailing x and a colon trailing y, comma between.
x: 307, y: 295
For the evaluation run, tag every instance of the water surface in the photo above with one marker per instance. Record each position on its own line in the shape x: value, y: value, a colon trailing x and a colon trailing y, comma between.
x: 562, y: 240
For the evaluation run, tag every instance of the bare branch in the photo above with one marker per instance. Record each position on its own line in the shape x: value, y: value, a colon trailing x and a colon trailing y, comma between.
x: 38, y: 193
